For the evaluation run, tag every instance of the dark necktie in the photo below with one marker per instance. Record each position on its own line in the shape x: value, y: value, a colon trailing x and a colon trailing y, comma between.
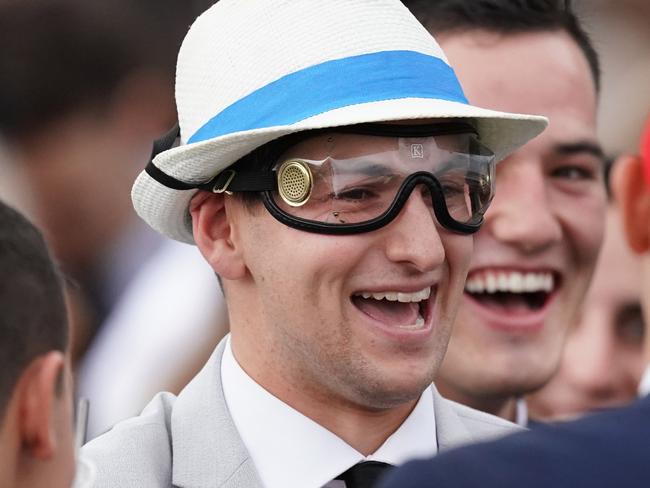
x: 364, y: 475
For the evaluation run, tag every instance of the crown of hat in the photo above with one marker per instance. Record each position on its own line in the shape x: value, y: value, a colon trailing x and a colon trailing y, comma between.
x: 240, y: 57
x: 250, y: 71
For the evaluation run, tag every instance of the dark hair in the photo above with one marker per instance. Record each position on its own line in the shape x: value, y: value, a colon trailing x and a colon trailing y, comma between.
x: 506, y: 17
x: 61, y: 56
x: 33, y: 319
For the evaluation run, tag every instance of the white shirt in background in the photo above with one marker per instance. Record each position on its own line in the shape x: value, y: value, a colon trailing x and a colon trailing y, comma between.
x: 644, y: 386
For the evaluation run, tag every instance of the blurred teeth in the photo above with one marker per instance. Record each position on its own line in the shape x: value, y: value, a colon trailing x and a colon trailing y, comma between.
x: 510, y: 282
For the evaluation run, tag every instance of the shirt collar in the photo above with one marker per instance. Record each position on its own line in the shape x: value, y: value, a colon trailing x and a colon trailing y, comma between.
x: 521, y: 415
x: 289, y: 449
x: 644, y: 386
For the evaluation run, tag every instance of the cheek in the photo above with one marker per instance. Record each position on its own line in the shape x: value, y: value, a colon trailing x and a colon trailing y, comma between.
x: 458, y: 251
x: 584, y: 227
x: 302, y: 261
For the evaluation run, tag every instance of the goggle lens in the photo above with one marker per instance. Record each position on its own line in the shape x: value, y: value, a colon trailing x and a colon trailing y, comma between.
x: 353, y: 179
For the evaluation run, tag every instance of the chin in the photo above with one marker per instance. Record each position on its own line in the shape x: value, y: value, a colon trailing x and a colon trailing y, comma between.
x: 395, y: 391
x: 519, y: 385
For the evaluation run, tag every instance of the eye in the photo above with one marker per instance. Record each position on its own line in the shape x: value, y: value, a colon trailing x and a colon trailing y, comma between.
x: 575, y: 173
x: 630, y: 326
x: 451, y: 189
x: 354, y: 194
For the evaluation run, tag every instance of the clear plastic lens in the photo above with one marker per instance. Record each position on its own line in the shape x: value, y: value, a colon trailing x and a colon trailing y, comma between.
x: 357, y: 178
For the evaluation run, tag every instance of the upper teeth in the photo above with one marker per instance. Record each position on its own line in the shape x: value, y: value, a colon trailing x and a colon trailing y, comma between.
x: 512, y: 282
x: 396, y: 296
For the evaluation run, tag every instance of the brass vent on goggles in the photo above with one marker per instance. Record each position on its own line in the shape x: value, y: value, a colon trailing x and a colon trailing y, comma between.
x: 294, y: 182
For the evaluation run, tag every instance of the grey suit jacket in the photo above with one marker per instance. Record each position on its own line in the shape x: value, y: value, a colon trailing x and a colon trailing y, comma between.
x: 191, y: 441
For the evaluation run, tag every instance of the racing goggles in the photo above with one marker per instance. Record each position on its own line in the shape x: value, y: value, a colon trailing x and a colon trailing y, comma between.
x: 355, y: 179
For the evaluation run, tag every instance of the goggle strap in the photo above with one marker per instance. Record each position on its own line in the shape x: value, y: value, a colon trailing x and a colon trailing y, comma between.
x: 227, y: 180
x: 242, y: 181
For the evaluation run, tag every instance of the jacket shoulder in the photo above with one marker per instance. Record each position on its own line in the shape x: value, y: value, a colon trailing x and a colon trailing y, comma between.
x: 136, y: 452
x: 483, y: 426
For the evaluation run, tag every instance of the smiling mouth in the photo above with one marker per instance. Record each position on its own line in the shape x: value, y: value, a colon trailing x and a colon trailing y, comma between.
x: 406, y: 311
x: 512, y: 291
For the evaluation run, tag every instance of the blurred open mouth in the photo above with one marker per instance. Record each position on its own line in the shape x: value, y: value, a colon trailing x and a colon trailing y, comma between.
x: 515, y: 297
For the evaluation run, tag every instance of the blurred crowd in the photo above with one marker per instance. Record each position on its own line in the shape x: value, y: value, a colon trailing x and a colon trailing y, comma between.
x: 86, y: 86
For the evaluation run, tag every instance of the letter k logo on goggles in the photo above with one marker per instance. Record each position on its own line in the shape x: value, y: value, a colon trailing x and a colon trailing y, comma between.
x: 354, y: 179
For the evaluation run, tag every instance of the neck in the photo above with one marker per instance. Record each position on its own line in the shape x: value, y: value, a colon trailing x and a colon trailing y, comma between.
x: 363, y: 428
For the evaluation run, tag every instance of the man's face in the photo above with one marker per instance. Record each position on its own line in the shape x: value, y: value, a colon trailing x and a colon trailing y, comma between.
x: 309, y: 315
x: 603, y: 360
x: 534, y: 255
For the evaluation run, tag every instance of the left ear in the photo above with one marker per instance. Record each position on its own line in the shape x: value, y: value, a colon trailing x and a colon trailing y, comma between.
x: 216, y: 235
x: 39, y: 388
x: 633, y: 196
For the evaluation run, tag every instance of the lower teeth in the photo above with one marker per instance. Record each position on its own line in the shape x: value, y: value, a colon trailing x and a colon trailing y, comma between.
x: 419, y: 322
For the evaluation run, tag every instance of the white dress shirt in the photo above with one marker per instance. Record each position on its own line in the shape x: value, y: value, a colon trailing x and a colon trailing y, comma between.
x: 644, y: 386
x: 289, y: 449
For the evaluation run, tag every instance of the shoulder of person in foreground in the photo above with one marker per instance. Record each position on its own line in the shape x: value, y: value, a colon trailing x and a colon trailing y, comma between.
x: 136, y: 452
x: 458, y: 424
x: 601, y: 450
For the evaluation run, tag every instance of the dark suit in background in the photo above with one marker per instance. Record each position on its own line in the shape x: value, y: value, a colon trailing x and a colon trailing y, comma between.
x: 609, y: 449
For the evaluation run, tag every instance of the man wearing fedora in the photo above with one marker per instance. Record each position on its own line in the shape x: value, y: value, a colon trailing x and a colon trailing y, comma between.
x: 332, y: 173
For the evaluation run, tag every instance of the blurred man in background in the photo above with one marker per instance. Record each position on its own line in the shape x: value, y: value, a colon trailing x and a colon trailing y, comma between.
x: 534, y: 257
x: 82, y: 96
x: 602, y: 450
x: 603, y: 358
x: 36, y: 435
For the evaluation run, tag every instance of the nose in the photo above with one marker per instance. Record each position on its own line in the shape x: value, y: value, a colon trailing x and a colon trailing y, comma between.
x: 414, y: 237
x: 521, y: 214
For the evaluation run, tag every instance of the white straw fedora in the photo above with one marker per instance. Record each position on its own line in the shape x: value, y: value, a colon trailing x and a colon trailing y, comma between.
x: 250, y: 71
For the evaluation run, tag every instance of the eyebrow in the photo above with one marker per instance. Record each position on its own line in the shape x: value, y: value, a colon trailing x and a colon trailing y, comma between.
x: 369, y: 169
x: 589, y: 147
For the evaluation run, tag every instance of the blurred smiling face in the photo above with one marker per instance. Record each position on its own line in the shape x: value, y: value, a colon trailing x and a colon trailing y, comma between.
x: 360, y: 319
x: 603, y: 359
x: 534, y: 256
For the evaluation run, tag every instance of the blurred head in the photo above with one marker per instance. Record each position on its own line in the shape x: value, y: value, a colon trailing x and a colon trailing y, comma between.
x: 603, y: 358
x: 536, y: 252
x: 81, y: 126
x: 36, y: 438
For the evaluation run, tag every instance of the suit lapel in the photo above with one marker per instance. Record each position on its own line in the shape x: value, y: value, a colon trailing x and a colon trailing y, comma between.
x: 450, y: 429
x: 208, y: 451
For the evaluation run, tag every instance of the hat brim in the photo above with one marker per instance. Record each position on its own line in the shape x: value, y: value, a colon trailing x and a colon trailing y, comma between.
x: 166, y: 210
